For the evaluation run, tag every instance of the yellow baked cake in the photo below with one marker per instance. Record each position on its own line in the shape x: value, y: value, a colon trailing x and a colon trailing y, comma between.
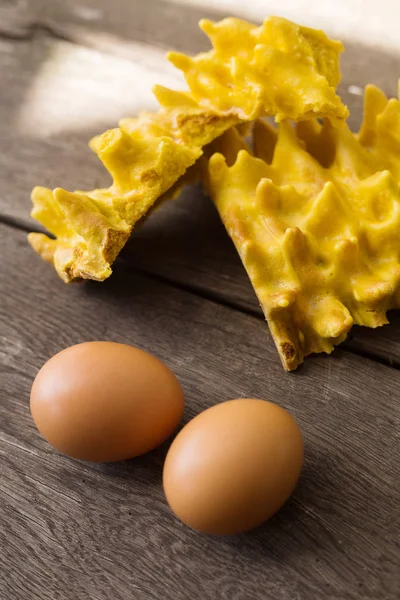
x: 278, y: 68
x: 315, y: 217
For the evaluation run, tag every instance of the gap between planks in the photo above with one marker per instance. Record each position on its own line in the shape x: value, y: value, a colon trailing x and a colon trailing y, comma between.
x: 34, y: 31
x: 85, y: 39
x: 207, y: 294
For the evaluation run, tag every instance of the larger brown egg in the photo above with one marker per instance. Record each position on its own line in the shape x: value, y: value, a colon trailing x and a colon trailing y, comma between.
x: 233, y: 466
x: 102, y: 401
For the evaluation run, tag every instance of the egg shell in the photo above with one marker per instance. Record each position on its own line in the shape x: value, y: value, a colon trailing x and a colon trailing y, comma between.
x: 233, y: 466
x: 103, y: 401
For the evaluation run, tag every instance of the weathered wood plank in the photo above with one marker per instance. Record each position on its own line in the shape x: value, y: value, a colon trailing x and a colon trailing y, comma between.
x: 174, y: 22
x: 72, y: 531
x: 115, y: 26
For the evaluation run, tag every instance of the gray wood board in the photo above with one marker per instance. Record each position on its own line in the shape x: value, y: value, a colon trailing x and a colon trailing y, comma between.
x: 72, y: 531
x: 47, y: 115
x: 123, y: 21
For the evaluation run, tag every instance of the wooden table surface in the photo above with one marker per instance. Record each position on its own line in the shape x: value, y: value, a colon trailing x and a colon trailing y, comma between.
x: 77, y: 531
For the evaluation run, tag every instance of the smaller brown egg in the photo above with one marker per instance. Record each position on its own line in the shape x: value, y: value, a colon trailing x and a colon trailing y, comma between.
x: 233, y: 466
x: 102, y: 401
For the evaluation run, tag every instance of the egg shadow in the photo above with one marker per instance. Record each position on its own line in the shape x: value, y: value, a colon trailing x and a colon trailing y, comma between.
x: 147, y: 466
x: 150, y: 463
x: 267, y: 533
x: 307, y: 524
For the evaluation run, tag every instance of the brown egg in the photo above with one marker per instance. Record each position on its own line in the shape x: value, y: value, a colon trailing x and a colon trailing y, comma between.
x: 102, y: 401
x: 233, y: 466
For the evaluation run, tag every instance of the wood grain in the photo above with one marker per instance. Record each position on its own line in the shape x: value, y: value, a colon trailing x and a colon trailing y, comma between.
x: 56, y: 95
x: 72, y: 531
